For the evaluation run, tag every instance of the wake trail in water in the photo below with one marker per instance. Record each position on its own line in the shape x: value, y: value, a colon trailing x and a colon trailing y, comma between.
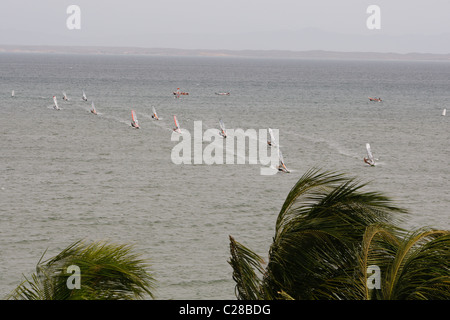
x: 117, y: 119
x: 86, y: 108
x: 157, y: 123
x: 333, y: 145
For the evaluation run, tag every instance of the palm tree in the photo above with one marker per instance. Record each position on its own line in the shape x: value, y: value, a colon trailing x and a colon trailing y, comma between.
x: 107, y: 272
x: 328, y: 233
x: 419, y: 267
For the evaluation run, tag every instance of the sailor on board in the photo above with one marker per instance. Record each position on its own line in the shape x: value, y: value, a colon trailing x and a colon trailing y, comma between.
x: 282, y: 168
x: 135, y: 124
x: 369, y: 162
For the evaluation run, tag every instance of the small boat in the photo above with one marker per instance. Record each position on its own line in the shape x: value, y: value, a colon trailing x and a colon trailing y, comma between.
x: 12, y: 93
x: 444, y: 112
x: 154, y: 115
x: 55, y: 104
x: 369, y: 159
x: 84, y: 97
x: 65, y: 97
x: 375, y: 99
x: 222, y: 93
x: 177, y: 125
x: 282, y: 166
x: 179, y: 93
x: 134, y: 122
x: 93, y: 109
x: 223, y: 131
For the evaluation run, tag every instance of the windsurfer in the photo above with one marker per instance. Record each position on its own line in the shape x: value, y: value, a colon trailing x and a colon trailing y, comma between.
x: 368, y: 161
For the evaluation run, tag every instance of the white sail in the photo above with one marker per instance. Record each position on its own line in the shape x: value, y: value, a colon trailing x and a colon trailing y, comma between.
x: 271, y: 139
x: 370, y: 159
x: 93, y: 110
x: 444, y: 112
x: 12, y: 93
x: 55, y: 106
x: 84, y: 96
x: 282, y: 166
x: 369, y: 152
x: 154, y: 116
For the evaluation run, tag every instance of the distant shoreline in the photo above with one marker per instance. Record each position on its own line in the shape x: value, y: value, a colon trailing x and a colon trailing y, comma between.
x: 173, y: 52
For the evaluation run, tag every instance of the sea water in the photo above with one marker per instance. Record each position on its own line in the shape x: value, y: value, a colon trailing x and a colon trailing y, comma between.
x: 69, y: 175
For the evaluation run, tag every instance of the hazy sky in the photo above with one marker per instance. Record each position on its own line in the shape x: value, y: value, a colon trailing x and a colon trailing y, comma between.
x: 406, y: 25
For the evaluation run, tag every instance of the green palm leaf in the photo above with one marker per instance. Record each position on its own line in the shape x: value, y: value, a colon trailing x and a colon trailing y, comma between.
x: 379, y: 247
x: 421, y: 268
x: 108, y: 272
x: 328, y: 231
x: 244, y: 262
x: 318, y: 233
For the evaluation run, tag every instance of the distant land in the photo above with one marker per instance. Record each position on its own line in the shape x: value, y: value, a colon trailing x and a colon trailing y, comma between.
x: 282, y: 54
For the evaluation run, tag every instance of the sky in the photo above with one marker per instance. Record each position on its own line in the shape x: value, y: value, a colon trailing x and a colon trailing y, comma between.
x: 405, y: 25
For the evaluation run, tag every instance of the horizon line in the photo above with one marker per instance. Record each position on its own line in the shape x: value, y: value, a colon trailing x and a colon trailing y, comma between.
x: 168, y: 51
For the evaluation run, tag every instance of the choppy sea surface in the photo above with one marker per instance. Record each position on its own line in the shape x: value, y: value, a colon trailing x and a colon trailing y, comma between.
x: 69, y: 175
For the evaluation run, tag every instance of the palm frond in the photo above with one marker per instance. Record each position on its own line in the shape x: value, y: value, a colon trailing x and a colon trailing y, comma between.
x: 318, y: 231
x: 421, y: 269
x: 108, y: 271
x: 329, y: 231
x: 378, y: 248
x: 245, y: 264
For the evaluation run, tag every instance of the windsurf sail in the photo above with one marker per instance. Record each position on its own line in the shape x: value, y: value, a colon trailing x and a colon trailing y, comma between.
x: 223, y: 131
x: 370, y: 159
x: 444, y: 112
x: 12, y: 93
x: 55, y: 106
x: 282, y: 166
x: 271, y: 139
x: 154, y: 115
x: 177, y: 93
x: 177, y: 125
x: 84, y: 96
x: 93, y: 108
x: 134, y: 123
